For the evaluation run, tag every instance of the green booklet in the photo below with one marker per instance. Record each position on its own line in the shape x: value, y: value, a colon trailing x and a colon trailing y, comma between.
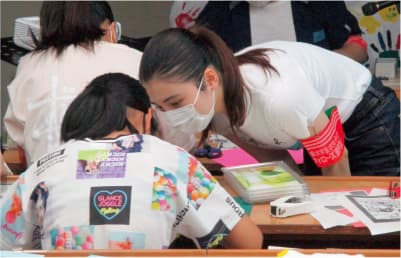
x: 263, y: 181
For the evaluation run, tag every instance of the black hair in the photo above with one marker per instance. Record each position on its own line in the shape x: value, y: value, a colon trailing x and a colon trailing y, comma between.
x: 183, y: 55
x: 64, y: 23
x: 101, y: 108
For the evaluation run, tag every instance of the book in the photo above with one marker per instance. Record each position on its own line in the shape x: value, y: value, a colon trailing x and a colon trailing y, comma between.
x: 265, y: 182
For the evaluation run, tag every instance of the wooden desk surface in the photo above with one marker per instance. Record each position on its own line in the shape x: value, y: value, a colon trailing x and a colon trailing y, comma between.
x: 306, y: 224
x: 214, y: 253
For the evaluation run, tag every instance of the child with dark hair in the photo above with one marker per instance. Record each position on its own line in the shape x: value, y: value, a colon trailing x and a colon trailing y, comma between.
x: 78, y: 42
x: 140, y: 193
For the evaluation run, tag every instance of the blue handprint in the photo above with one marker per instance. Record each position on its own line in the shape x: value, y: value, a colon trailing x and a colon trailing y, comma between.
x: 387, y: 51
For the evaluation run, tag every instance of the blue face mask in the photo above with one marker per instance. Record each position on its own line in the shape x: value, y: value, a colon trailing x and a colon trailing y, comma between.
x: 186, y: 118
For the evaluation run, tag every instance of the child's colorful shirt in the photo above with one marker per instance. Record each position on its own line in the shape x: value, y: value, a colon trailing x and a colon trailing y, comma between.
x: 134, y: 192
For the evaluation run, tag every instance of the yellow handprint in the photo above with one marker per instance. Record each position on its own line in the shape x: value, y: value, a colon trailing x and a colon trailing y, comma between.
x: 390, y: 14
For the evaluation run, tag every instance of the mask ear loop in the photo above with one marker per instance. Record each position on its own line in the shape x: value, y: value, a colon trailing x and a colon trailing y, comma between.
x: 199, y: 88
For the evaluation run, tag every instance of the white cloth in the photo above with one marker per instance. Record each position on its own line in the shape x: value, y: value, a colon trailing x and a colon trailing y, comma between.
x: 45, y: 85
x: 263, y: 19
x: 310, y: 80
x: 133, y: 192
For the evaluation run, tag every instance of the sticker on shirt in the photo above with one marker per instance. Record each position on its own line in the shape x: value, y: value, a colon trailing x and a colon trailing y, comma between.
x: 132, y: 143
x: 200, y: 185
x: 72, y: 238
x: 164, y: 190
x: 185, y: 163
x: 49, y: 160
x: 214, y: 238
x: 12, y: 220
x: 110, y: 205
x: 101, y: 164
x: 38, y: 204
x: 126, y: 240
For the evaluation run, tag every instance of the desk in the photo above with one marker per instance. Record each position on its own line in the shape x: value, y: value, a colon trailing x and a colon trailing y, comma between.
x: 304, y: 231
x: 215, y: 253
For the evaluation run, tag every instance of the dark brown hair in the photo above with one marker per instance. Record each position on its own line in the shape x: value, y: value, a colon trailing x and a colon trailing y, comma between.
x: 183, y: 55
x: 71, y: 22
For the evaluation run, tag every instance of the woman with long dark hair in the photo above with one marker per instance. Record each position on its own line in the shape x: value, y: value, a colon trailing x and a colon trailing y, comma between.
x: 273, y: 97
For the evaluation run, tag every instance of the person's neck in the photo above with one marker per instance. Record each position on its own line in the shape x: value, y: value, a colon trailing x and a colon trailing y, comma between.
x: 116, y: 134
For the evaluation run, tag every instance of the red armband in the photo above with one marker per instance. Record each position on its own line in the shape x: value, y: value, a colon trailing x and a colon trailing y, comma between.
x: 357, y: 40
x: 327, y: 147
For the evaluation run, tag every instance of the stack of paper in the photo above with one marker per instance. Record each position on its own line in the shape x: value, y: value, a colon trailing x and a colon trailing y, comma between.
x: 265, y: 182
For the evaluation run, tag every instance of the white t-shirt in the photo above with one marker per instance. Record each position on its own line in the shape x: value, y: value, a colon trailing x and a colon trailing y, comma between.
x: 310, y: 80
x: 134, y: 192
x: 263, y: 17
x: 45, y: 85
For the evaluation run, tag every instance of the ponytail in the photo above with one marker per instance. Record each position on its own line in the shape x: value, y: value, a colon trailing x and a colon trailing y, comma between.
x: 185, y: 54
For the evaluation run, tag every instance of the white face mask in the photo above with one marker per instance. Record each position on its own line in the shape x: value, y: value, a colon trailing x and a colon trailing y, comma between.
x: 186, y: 118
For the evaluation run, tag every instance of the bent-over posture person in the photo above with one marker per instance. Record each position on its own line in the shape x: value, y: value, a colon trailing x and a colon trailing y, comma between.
x: 112, y: 185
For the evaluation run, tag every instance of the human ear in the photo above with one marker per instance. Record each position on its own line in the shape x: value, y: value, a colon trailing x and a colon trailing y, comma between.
x: 211, y: 77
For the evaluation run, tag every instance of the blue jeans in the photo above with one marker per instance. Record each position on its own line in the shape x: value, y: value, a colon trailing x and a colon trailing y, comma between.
x: 372, y: 135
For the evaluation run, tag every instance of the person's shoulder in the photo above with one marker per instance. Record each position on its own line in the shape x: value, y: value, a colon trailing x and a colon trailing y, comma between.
x: 118, y: 48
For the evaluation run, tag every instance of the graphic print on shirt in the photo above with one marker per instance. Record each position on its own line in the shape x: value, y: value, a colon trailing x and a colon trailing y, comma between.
x: 164, y: 190
x: 49, y: 160
x: 126, y: 240
x: 110, y: 205
x: 55, y: 104
x: 214, y: 238
x: 132, y: 143
x: 200, y: 184
x: 38, y: 204
x: 12, y: 221
x: 101, y: 163
x: 183, y: 163
x: 72, y: 238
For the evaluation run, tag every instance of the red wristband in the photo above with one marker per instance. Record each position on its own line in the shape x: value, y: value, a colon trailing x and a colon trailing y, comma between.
x: 357, y: 40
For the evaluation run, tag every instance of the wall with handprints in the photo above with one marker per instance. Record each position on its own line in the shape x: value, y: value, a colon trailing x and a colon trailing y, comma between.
x: 381, y: 30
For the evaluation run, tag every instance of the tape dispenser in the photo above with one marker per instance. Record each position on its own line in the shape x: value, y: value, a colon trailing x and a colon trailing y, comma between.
x: 289, y: 206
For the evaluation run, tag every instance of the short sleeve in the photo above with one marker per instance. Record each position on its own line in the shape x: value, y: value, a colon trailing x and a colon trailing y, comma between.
x: 209, y: 212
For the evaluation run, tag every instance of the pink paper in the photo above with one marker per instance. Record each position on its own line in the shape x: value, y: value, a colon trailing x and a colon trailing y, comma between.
x: 235, y: 157
x: 297, y: 155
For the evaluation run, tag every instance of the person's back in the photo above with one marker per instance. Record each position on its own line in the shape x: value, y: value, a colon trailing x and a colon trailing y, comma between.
x: 111, y: 186
x: 48, y: 79
x: 95, y: 195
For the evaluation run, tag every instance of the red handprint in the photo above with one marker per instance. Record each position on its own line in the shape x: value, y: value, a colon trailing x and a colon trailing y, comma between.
x: 186, y: 19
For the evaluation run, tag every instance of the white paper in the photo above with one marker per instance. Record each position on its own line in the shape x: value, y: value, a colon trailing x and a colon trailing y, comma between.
x: 326, y: 204
x: 380, y: 214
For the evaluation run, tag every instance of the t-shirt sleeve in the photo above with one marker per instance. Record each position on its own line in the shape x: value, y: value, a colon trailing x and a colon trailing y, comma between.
x: 296, y: 103
x: 208, y: 213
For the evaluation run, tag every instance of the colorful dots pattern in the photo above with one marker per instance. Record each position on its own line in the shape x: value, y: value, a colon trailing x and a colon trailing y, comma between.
x: 164, y: 190
x: 72, y: 238
x: 199, y: 187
